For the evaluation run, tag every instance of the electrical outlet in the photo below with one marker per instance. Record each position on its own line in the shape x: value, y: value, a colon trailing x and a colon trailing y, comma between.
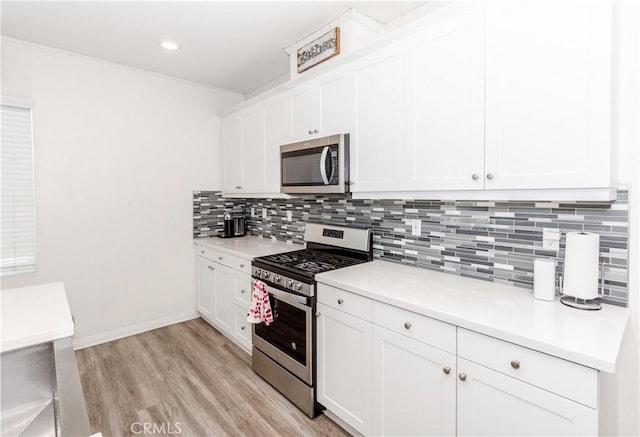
x: 551, y: 239
x: 253, y: 211
x: 264, y: 213
x: 289, y: 216
x: 416, y: 227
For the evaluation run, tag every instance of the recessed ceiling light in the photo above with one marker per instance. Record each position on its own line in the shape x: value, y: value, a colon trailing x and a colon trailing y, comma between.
x: 169, y: 44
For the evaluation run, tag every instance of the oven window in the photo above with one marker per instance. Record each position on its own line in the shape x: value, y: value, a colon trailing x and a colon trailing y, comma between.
x: 288, y: 332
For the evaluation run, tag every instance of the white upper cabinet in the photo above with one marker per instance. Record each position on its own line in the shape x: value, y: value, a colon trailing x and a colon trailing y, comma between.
x: 445, y: 104
x: 548, y: 94
x: 324, y: 106
x: 253, y: 150
x: 276, y: 133
x: 232, y: 153
x: 377, y: 154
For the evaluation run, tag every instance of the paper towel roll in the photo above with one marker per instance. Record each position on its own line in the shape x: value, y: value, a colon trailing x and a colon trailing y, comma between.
x: 544, y: 279
x: 581, y: 257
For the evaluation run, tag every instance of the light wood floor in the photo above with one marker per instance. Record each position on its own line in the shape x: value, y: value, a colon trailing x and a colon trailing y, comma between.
x: 191, y: 374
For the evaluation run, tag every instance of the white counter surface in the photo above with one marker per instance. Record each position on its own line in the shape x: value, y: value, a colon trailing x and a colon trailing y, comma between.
x: 34, y: 315
x: 590, y: 338
x: 248, y: 246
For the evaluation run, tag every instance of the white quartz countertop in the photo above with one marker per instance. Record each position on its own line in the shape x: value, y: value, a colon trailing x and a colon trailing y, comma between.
x: 248, y: 246
x: 590, y: 338
x: 34, y: 315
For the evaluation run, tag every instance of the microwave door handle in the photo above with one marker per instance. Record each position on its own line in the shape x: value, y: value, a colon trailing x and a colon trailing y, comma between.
x: 323, y: 162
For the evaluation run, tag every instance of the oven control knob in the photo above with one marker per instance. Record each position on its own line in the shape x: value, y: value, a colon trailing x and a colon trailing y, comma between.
x: 258, y: 273
x: 277, y: 278
x: 265, y: 275
x: 289, y: 283
x: 298, y: 286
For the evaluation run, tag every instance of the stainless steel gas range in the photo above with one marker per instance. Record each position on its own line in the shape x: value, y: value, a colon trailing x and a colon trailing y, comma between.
x: 284, y: 353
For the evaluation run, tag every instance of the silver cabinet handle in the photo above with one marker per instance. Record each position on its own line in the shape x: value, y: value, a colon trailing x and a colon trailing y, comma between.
x: 462, y: 376
x: 310, y: 132
x: 241, y: 265
x: 407, y: 325
x: 340, y: 301
x: 315, y: 131
x: 220, y: 258
x: 475, y: 176
x: 515, y: 364
x: 489, y: 176
x: 243, y: 291
x: 202, y: 251
x: 243, y: 327
x: 446, y: 370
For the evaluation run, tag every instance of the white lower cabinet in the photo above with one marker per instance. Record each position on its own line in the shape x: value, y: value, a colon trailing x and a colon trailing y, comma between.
x: 387, y: 371
x: 224, y: 293
x: 492, y: 404
x: 344, y: 367
x: 414, y: 387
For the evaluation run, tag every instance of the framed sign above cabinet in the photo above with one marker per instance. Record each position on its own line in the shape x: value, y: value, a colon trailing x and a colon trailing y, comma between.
x: 319, y: 50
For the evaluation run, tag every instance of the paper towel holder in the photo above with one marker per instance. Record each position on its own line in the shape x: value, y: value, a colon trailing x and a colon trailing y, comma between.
x: 584, y: 304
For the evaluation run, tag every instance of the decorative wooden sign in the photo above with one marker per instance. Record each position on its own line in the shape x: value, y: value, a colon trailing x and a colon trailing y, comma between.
x: 319, y: 50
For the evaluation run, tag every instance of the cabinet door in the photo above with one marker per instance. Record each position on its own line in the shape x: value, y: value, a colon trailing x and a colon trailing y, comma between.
x: 445, y: 105
x: 335, y: 94
x: 492, y: 404
x: 378, y: 153
x: 414, y: 387
x: 548, y: 97
x: 276, y: 133
x: 205, y: 277
x: 344, y: 367
x: 253, y: 145
x: 223, y: 296
x: 232, y: 154
x: 241, y: 328
x: 302, y: 110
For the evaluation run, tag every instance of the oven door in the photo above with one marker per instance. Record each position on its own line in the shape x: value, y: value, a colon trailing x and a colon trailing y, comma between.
x: 315, y: 166
x: 288, y: 339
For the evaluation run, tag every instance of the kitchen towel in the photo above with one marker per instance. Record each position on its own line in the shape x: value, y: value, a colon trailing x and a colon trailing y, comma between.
x: 581, y: 258
x: 259, y: 308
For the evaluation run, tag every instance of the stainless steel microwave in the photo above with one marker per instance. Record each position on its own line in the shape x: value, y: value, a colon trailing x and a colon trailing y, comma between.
x: 315, y: 166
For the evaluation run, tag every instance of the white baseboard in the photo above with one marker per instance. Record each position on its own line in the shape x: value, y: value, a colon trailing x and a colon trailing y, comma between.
x: 93, y: 340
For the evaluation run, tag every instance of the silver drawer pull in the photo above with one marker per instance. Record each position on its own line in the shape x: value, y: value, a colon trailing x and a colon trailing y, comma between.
x: 243, y: 291
x: 515, y: 364
x: 202, y: 251
x: 243, y: 327
x: 340, y: 301
x: 407, y: 325
x: 446, y: 370
x: 241, y: 265
x: 220, y: 258
x: 462, y: 376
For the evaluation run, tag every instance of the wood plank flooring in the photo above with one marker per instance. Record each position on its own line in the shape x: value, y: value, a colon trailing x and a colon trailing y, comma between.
x: 186, y: 379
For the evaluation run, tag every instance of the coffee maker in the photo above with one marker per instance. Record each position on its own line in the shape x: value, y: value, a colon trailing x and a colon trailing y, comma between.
x: 234, y: 225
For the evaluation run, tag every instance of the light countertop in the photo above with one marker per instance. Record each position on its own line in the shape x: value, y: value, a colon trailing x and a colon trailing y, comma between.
x: 34, y: 315
x: 590, y: 338
x: 248, y: 246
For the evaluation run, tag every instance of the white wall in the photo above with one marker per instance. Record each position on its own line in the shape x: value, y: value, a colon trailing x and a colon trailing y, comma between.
x: 620, y: 403
x: 118, y: 152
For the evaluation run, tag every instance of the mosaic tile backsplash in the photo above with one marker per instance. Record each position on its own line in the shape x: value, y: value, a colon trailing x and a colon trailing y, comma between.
x: 492, y: 241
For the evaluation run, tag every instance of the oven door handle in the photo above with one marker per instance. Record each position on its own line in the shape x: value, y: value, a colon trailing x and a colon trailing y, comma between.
x: 290, y: 298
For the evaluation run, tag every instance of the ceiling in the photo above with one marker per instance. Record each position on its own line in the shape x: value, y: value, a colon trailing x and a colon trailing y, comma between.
x: 232, y: 45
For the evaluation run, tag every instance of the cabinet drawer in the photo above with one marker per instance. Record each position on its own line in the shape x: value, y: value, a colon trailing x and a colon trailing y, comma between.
x: 242, y: 328
x: 350, y: 303
x: 225, y: 259
x: 556, y: 375
x: 242, y: 292
x: 421, y: 328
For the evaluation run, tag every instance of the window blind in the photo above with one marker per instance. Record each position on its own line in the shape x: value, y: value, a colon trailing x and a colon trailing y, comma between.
x: 18, y: 244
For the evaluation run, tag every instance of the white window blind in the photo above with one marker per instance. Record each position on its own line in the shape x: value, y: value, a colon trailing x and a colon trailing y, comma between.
x: 18, y: 242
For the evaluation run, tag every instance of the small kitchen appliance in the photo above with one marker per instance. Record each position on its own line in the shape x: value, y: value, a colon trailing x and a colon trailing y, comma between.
x: 234, y: 225
x: 315, y: 166
x: 284, y: 353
